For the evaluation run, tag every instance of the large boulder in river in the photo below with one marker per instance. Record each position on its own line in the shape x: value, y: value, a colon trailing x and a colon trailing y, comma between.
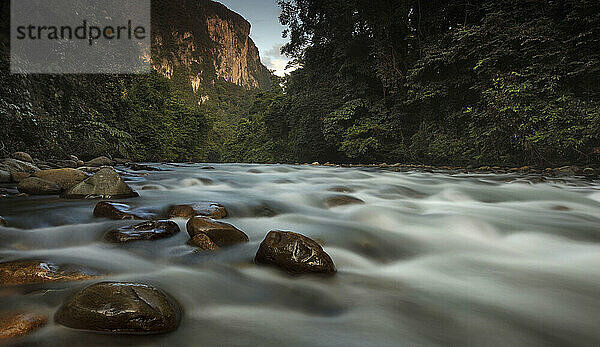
x: 15, y: 324
x: 120, y: 211
x: 104, y: 184
x: 206, y: 209
x: 65, y: 178
x: 294, y: 253
x: 34, y: 272
x: 222, y: 234
x: 100, y: 161
x: 153, y: 230
x: 38, y: 186
x: 22, y: 156
x: 11, y: 165
x: 118, y: 307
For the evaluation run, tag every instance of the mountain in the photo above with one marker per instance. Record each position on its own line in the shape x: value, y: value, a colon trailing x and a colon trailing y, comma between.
x: 199, y: 42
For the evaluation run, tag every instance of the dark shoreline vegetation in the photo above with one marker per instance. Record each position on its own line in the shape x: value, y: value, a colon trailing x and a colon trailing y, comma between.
x: 505, y: 83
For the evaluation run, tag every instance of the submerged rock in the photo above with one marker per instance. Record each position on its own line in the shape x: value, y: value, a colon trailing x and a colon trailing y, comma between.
x: 106, y: 183
x: 222, y: 234
x: 341, y: 189
x: 294, y: 253
x: 119, y: 211
x: 341, y: 200
x: 65, y: 178
x: 3, y: 222
x: 15, y: 324
x: 153, y: 230
x: 33, y: 272
x: 22, y: 156
x: 119, y: 307
x: 203, y: 242
x: 205, y: 208
x: 38, y: 186
x: 100, y: 161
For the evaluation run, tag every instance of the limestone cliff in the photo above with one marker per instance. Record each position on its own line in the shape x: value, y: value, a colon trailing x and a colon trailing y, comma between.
x: 198, y: 42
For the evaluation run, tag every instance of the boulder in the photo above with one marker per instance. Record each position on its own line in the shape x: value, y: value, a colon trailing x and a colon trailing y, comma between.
x: 3, y: 222
x: 222, y: 234
x: 22, y: 156
x: 294, y: 253
x: 153, y: 230
x: 203, y: 242
x: 17, y: 176
x: 589, y: 172
x: 119, y: 211
x: 15, y: 324
x: 38, y: 186
x: 65, y: 178
x: 205, y: 208
x: 5, y: 176
x: 340, y: 200
x: 100, y: 161
x: 34, y: 272
x: 120, y: 307
x: 105, y: 184
x: 11, y: 165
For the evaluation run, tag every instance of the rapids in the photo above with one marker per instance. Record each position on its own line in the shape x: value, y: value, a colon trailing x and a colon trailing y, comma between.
x: 429, y: 259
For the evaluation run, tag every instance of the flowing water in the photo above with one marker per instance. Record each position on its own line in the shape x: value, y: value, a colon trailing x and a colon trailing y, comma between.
x: 429, y: 259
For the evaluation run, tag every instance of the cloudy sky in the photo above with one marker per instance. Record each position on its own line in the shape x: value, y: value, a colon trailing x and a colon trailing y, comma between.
x: 266, y: 29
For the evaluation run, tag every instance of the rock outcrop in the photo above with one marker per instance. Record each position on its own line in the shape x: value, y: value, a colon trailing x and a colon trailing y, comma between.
x: 65, y: 178
x: 104, y: 184
x: 118, y: 307
x: 153, y: 230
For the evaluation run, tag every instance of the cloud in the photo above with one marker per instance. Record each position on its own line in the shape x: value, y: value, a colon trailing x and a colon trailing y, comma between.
x: 276, y: 61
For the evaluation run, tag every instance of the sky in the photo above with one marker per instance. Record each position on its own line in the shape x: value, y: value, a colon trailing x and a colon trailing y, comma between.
x: 263, y: 15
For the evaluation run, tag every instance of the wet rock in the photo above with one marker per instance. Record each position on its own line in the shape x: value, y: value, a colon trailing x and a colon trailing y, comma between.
x: 11, y: 165
x: 120, y: 211
x: 153, y: 230
x: 341, y: 200
x: 341, y: 189
x: 294, y: 253
x: 120, y: 307
x: 38, y: 186
x: 254, y: 171
x: 22, y: 156
x: 566, y: 171
x: 589, y: 172
x: 152, y: 187
x: 203, y: 242
x: 34, y: 272
x: 207, y: 168
x: 316, y: 163
x: 3, y: 222
x: 222, y: 234
x: 65, y: 178
x: 105, y: 183
x: 17, y: 176
x: 5, y: 176
x: 141, y: 167
x: 206, y: 209
x: 560, y: 208
x: 100, y: 161
x: 15, y: 324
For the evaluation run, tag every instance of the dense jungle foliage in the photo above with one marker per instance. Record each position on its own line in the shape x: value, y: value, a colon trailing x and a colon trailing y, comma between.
x: 502, y: 82
x: 453, y: 81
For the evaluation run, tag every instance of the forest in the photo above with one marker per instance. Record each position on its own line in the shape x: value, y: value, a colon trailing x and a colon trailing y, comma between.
x: 503, y: 82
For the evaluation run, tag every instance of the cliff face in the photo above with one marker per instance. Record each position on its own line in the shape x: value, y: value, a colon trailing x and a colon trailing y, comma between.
x: 197, y: 42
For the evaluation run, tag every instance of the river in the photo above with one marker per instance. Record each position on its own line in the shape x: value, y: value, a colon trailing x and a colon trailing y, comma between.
x: 429, y: 259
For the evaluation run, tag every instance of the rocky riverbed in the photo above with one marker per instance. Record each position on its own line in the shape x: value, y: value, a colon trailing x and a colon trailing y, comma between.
x: 224, y: 254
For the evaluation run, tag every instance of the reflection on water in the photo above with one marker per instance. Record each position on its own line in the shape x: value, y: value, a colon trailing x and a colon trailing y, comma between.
x: 429, y: 259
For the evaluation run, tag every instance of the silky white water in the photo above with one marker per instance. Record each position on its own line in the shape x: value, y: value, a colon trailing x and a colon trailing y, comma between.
x: 429, y: 259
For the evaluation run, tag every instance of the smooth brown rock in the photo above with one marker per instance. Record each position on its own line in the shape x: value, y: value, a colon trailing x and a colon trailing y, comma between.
x: 34, y: 272
x: 203, y: 242
x: 120, y: 307
x: 206, y: 209
x: 120, y: 211
x: 17, y: 176
x: 104, y: 184
x: 22, y: 156
x: 65, y: 178
x: 341, y: 200
x: 100, y: 161
x: 294, y: 253
x: 38, y: 186
x: 15, y: 324
x: 153, y: 230
x: 222, y: 234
